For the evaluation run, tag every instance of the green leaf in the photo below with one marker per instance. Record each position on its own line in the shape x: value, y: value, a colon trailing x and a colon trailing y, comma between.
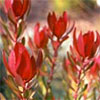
x: 79, y: 98
x: 90, y: 65
x: 84, y: 88
x: 71, y: 59
x: 23, y: 41
x: 38, y: 95
x: 10, y: 82
x: 6, y: 43
x: 19, y: 29
x: 5, y: 28
x: 26, y: 94
x: 82, y: 91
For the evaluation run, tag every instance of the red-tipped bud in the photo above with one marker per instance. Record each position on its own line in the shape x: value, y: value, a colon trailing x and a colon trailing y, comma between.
x: 40, y: 37
x: 17, y: 7
x: 58, y: 26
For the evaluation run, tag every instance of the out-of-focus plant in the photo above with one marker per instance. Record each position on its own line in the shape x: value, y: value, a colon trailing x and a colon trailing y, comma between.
x: 61, y: 6
x: 98, y: 2
x: 83, y: 5
x: 41, y: 74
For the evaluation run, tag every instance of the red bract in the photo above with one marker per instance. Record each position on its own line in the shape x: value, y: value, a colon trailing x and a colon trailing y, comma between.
x: 40, y: 37
x: 86, y: 45
x: 17, y: 7
x: 57, y: 26
x: 20, y: 63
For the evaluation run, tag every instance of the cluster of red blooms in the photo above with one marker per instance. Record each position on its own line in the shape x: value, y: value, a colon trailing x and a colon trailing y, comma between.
x: 19, y: 61
x: 84, y: 51
x: 24, y: 67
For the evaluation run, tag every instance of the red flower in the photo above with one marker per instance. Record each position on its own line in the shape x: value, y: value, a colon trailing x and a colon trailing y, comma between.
x: 20, y: 63
x: 40, y: 37
x: 57, y: 26
x: 18, y: 7
x: 86, y: 45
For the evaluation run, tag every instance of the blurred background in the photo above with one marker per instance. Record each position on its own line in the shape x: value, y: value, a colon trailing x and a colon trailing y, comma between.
x: 85, y: 12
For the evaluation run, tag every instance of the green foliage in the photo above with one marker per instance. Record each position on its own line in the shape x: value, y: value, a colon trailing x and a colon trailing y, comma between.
x: 4, y: 89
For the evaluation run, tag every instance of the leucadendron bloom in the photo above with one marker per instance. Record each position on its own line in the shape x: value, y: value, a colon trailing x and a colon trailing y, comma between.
x: 86, y: 44
x: 20, y: 64
x: 40, y: 36
x: 16, y: 9
x: 57, y: 26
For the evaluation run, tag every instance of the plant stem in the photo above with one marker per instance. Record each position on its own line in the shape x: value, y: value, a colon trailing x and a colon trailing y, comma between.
x: 78, y: 84
x: 51, y: 73
x: 53, y: 65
